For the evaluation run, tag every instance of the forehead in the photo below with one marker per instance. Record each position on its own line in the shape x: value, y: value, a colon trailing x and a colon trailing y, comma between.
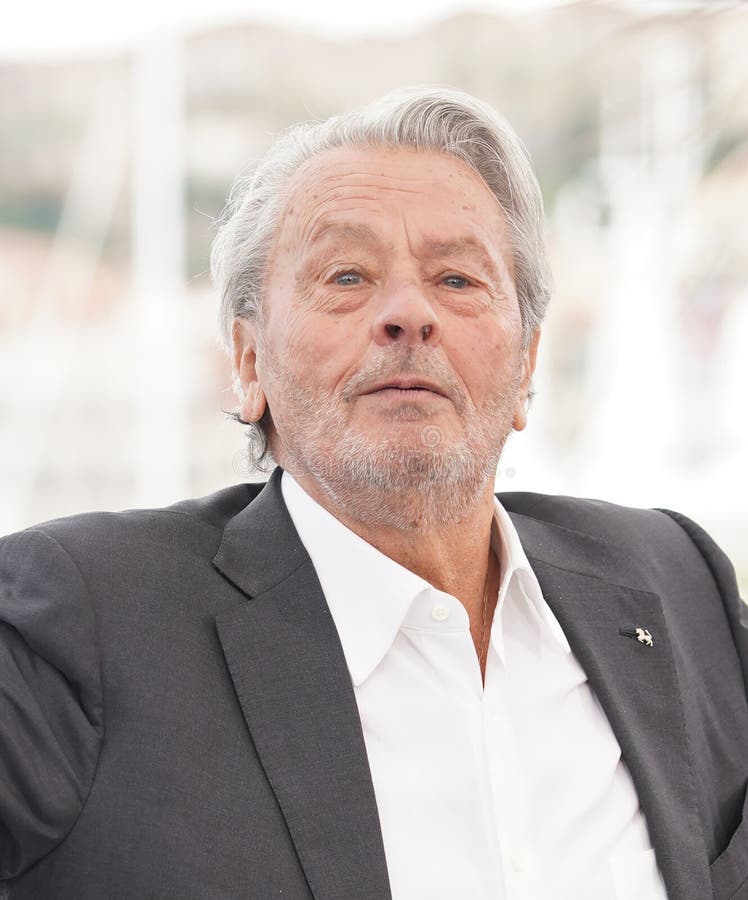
x: 433, y: 190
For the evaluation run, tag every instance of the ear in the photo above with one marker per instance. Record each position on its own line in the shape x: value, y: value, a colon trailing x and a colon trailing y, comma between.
x: 530, y: 356
x: 252, y: 400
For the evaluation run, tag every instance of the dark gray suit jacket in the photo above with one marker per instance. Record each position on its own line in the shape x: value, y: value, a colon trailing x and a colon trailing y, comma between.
x: 177, y: 720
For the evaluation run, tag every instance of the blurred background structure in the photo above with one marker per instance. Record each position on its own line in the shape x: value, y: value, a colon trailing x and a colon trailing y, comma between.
x: 115, y: 159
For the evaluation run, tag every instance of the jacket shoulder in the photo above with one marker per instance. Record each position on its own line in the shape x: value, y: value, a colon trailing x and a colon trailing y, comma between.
x: 597, y: 517
x: 558, y: 508
x: 212, y: 511
x: 640, y: 545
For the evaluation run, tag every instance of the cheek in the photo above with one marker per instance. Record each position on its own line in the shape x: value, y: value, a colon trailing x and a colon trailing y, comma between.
x: 323, y: 350
x: 487, y: 359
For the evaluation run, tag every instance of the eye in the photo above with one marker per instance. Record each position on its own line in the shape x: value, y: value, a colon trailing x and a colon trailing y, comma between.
x: 347, y: 278
x: 455, y: 281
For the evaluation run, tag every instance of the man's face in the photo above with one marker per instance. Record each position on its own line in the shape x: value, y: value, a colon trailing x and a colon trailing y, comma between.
x: 391, y: 348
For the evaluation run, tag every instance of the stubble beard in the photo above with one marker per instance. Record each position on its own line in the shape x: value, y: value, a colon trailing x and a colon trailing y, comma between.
x: 423, y: 482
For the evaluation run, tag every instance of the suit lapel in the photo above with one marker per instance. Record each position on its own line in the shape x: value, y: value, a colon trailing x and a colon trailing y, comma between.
x: 291, y: 678
x: 636, y: 686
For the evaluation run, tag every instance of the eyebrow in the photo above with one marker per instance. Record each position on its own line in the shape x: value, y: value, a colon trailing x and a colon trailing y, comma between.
x: 344, y: 231
x: 471, y: 245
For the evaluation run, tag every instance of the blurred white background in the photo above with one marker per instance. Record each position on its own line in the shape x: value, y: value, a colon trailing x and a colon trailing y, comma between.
x: 121, y: 130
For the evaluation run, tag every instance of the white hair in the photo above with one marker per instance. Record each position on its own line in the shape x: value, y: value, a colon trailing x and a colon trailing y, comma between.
x: 428, y: 119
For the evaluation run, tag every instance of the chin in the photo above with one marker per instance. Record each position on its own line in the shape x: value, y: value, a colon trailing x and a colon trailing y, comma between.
x: 409, y: 436
x: 409, y: 487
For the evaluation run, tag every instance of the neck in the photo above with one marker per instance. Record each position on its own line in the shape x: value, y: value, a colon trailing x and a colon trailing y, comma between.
x: 451, y: 553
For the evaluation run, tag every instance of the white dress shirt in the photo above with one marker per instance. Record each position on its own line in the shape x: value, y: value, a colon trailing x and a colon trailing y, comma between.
x: 512, y: 791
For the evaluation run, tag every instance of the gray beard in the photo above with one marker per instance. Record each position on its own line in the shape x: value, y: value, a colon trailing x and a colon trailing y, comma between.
x: 405, y: 488
x: 425, y: 483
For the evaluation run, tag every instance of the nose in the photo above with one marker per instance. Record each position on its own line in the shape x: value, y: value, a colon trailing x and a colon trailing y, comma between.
x: 407, y: 317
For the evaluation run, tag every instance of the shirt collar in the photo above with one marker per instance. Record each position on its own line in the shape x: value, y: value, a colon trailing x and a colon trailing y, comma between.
x: 516, y: 572
x: 369, y: 594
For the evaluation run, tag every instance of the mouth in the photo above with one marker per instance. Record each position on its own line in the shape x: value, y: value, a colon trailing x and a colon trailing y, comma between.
x: 406, y: 388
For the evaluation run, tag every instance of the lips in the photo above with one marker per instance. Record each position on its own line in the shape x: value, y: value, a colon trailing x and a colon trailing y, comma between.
x: 406, y: 384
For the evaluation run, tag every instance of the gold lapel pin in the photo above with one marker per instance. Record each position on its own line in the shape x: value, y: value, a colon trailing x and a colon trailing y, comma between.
x: 641, y: 634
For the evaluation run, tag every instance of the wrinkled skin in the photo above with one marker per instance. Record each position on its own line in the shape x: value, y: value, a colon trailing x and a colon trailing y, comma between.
x: 389, y: 264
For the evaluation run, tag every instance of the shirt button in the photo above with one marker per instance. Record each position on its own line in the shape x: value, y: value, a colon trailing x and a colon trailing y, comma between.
x: 521, y: 861
x: 440, y: 612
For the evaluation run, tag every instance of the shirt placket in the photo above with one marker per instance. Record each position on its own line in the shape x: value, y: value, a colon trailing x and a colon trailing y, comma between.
x: 519, y: 868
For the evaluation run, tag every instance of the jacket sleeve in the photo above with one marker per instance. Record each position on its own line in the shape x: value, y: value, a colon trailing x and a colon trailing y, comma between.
x: 51, y: 715
x: 724, y: 576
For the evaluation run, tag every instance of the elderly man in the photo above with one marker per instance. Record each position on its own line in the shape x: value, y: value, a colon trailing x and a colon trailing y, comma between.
x: 372, y: 678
